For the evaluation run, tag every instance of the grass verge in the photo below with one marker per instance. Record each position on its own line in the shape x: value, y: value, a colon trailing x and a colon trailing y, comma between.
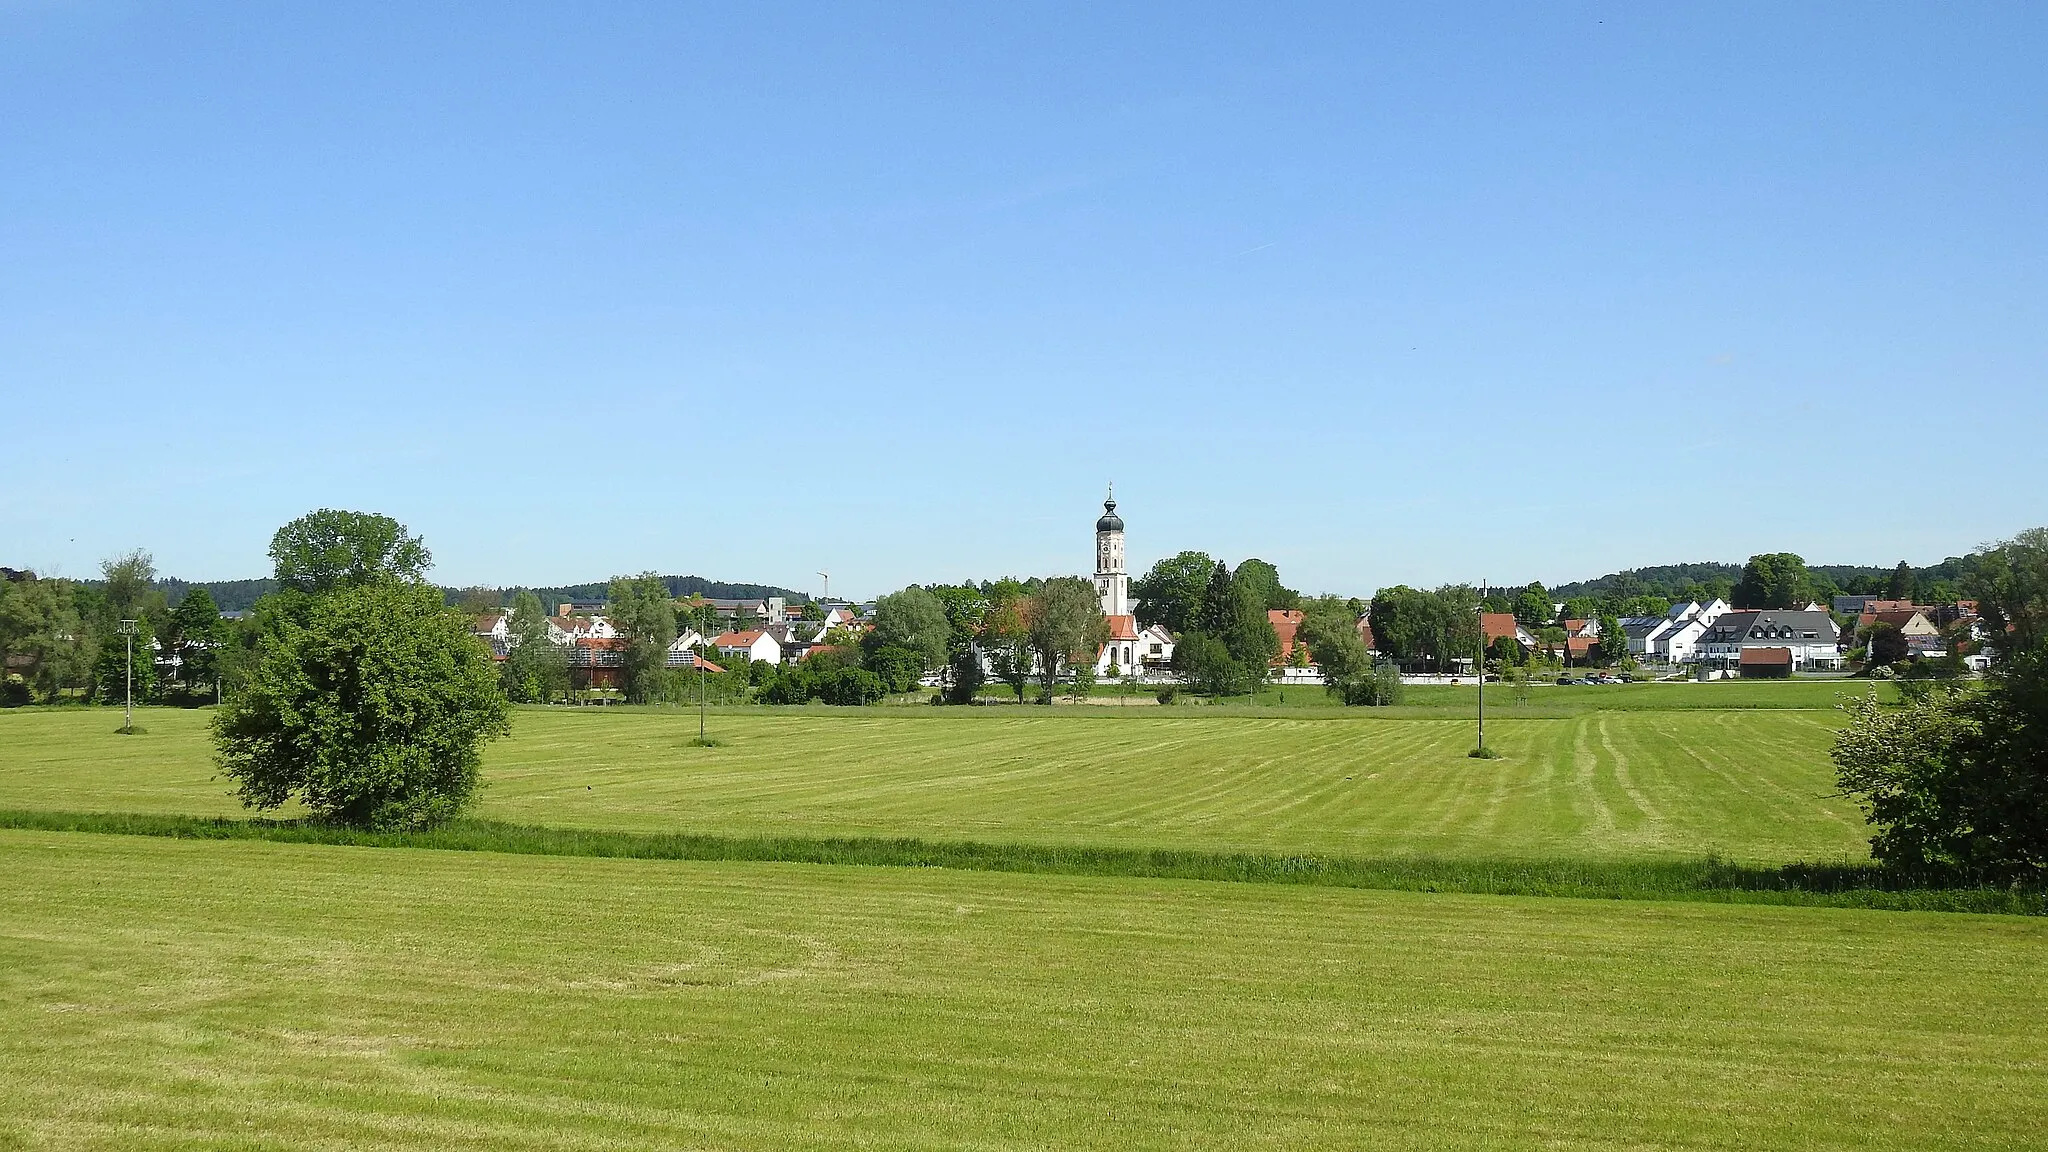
x: 1843, y: 885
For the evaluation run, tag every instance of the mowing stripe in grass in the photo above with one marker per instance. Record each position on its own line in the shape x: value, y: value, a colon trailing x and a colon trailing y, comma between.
x: 1850, y: 885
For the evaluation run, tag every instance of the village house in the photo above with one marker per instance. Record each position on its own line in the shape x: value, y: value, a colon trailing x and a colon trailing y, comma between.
x: 1811, y: 638
x: 493, y: 625
x: 1286, y: 622
x: 753, y: 645
x: 1580, y: 637
x: 568, y: 629
x: 683, y: 652
x: 1910, y: 621
x: 1503, y: 626
x: 1672, y: 637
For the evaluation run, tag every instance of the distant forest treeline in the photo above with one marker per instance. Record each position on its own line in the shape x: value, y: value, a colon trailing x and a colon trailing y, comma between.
x: 1668, y: 580
x: 241, y: 595
x: 677, y: 586
x: 1673, y: 581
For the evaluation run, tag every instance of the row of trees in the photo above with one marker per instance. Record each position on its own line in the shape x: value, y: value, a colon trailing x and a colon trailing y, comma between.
x: 1227, y: 643
x: 63, y: 639
x: 1432, y: 629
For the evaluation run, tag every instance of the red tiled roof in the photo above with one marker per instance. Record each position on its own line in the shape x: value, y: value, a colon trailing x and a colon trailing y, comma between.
x: 738, y: 639
x: 1497, y: 625
x: 1766, y: 655
x: 1286, y: 622
x: 1122, y: 627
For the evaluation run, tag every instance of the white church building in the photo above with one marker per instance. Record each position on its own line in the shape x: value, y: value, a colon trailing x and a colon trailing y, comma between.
x: 1129, y: 647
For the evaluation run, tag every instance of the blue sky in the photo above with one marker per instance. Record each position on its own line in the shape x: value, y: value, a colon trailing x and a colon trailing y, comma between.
x: 1376, y: 293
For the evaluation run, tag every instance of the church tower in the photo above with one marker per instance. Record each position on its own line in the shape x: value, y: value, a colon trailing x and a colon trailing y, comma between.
x: 1111, y: 581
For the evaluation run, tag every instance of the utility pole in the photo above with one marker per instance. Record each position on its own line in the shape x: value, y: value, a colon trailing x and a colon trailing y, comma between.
x: 128, y: 674
x: 1482, y: 667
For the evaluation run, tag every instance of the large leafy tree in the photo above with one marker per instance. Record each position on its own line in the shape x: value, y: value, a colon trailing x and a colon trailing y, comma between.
x: 1171, y: 593
x: 1232, y: 621
x: 1065, y: 622
x: 896, y: 668
x: 1402, y: 621
x: 1532, y: 605
x: 42, y: 633
x: 329, y: 549
x: 1582, y: 608
x: 1774, y: 580
x: 1006, y: 637
x: 640, y: 608
x: 195, y: 636
x: 1206, y: 666
x: 966, y: 607
x: 1885, y: 644
x: 1415, y: 627
x: 915, y: 620
x: 1264, y: 582
x: 1900, y: 586
x: 113, y: 685
x: 1239, y: 618
x: 1956, y: 779
x: 1613, y: 642
x: 2010, y: 582
x: 1454, y: 623
x: 1329, y: 629
x: 129, y: 581
x: 371, y: 708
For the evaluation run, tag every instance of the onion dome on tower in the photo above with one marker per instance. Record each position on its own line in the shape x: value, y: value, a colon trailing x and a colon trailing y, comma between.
x: 1110, y: 522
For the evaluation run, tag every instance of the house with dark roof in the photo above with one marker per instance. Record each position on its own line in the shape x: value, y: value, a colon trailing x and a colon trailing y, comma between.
x: 1812, y: 637
x: 1672, y: 637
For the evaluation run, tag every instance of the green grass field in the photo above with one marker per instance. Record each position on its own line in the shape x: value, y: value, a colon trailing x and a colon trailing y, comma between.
x: 178, y: 993
x: 1750, y: 783
x: 159, y: 993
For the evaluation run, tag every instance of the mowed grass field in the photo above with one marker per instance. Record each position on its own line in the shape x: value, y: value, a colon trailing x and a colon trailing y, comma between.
x: 180, y: 994
x: 1747, y: 781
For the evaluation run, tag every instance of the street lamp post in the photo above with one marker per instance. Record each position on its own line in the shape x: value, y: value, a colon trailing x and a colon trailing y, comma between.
x: 128, y: 675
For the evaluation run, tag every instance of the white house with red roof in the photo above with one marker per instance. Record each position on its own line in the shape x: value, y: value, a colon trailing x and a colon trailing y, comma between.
x: 493, y: 626
x: 566, y: 629
x: 753, y: 644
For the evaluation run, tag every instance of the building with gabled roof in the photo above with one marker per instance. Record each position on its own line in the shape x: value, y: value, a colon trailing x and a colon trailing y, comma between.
x: 753, y: 644
x: 1503, y: 626
x: 1812, y: 637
